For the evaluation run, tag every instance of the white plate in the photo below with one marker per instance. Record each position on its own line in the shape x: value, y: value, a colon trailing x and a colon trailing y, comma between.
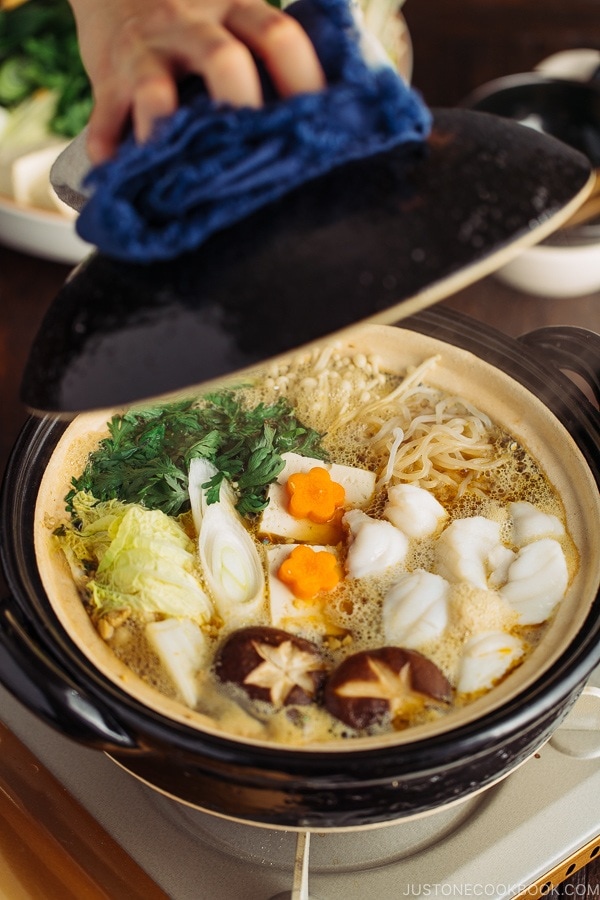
x: 41, y: 233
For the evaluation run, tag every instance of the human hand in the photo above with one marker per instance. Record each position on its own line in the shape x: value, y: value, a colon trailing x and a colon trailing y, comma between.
x: 135, y: 50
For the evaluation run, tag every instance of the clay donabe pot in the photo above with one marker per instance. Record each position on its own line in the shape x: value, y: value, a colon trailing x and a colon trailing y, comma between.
x: 58, y: 667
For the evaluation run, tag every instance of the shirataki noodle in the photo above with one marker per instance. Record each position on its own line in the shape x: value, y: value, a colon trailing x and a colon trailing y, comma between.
x: 440, y: 443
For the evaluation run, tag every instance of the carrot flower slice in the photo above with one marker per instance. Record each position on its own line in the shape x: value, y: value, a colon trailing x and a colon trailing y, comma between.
x: 313, y: 495
x: 307, y: 572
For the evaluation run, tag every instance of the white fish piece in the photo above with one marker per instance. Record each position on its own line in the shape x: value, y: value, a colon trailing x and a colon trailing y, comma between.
x: 468, y: 550
x: 499, y: 560
x: 530, y: 524
x: 183, y: 649
x: 286, y: 610
x: 374, y: 544
x: 486, y: 658
x: 229, y: 558
x: 537, y: 581
x: 414, y: 510
x: 359, y: 485
x: 415, y: 609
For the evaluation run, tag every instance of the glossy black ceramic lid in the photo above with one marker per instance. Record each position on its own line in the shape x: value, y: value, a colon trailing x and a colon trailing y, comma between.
x: 379, y: 239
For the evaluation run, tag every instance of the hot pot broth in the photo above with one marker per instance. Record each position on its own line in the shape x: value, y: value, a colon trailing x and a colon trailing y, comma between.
x: 454, y: 591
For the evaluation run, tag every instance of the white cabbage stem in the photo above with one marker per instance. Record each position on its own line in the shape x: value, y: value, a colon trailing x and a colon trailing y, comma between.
x: 182, y: 649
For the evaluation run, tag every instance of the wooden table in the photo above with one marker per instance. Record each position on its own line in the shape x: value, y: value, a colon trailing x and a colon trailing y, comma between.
x: 27, y: 286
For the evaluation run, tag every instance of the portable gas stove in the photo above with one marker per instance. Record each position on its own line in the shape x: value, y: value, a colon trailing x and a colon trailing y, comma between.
x: 496, y: 844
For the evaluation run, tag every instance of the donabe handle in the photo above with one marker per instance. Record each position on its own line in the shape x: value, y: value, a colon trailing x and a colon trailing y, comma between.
x: 37, y: 681
x: 570, y: 349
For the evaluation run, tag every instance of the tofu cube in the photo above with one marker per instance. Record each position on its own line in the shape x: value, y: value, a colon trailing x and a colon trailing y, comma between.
x: 287, y: 611
x: 359, y: 485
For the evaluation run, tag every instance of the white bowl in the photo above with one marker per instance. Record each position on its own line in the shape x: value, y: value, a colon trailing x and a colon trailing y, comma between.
x: 578, y: 64
x: 568, y: 269
x: 553, y: 270
x: 42, y: 233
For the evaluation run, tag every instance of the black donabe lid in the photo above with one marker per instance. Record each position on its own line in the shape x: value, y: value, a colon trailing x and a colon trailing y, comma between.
x: 376, y: 240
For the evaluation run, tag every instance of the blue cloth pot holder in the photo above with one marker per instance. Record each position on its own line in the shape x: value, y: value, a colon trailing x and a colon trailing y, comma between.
x: 210, y: 165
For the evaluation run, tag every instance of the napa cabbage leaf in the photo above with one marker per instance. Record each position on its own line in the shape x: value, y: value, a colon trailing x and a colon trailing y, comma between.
x: 134, y: 557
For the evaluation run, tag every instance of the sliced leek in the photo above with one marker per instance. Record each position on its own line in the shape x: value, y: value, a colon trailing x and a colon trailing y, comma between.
x: 229, y: 558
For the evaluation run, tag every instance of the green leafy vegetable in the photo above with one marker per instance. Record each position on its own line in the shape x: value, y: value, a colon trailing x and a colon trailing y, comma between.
x: 146, y: 457
x: 39, y: 50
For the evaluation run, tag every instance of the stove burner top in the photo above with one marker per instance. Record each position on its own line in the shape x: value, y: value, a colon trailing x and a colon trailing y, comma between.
x: 330, y: 852
x: 496, y: 844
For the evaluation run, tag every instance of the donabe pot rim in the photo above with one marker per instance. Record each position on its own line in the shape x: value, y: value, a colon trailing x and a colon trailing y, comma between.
x: 566, y: 673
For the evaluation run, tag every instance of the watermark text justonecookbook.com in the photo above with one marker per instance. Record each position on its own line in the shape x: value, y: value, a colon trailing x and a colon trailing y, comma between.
x: 481, y: 889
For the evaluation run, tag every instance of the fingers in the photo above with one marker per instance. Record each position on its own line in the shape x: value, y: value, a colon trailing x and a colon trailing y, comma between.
x: 281, y: 43
x: 155, y: 96
x: 152, y: 98
x: 218, y: 45
x: 224, y: 62
x: 106, y: 124
x: 140, y: 87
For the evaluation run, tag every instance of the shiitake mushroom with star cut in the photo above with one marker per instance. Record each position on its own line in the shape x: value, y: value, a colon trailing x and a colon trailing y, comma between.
x: 388, y: 682
x: 272, y: 665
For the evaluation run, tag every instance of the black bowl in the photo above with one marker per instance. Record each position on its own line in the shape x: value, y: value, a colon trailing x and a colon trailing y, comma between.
x: 567, y: 110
